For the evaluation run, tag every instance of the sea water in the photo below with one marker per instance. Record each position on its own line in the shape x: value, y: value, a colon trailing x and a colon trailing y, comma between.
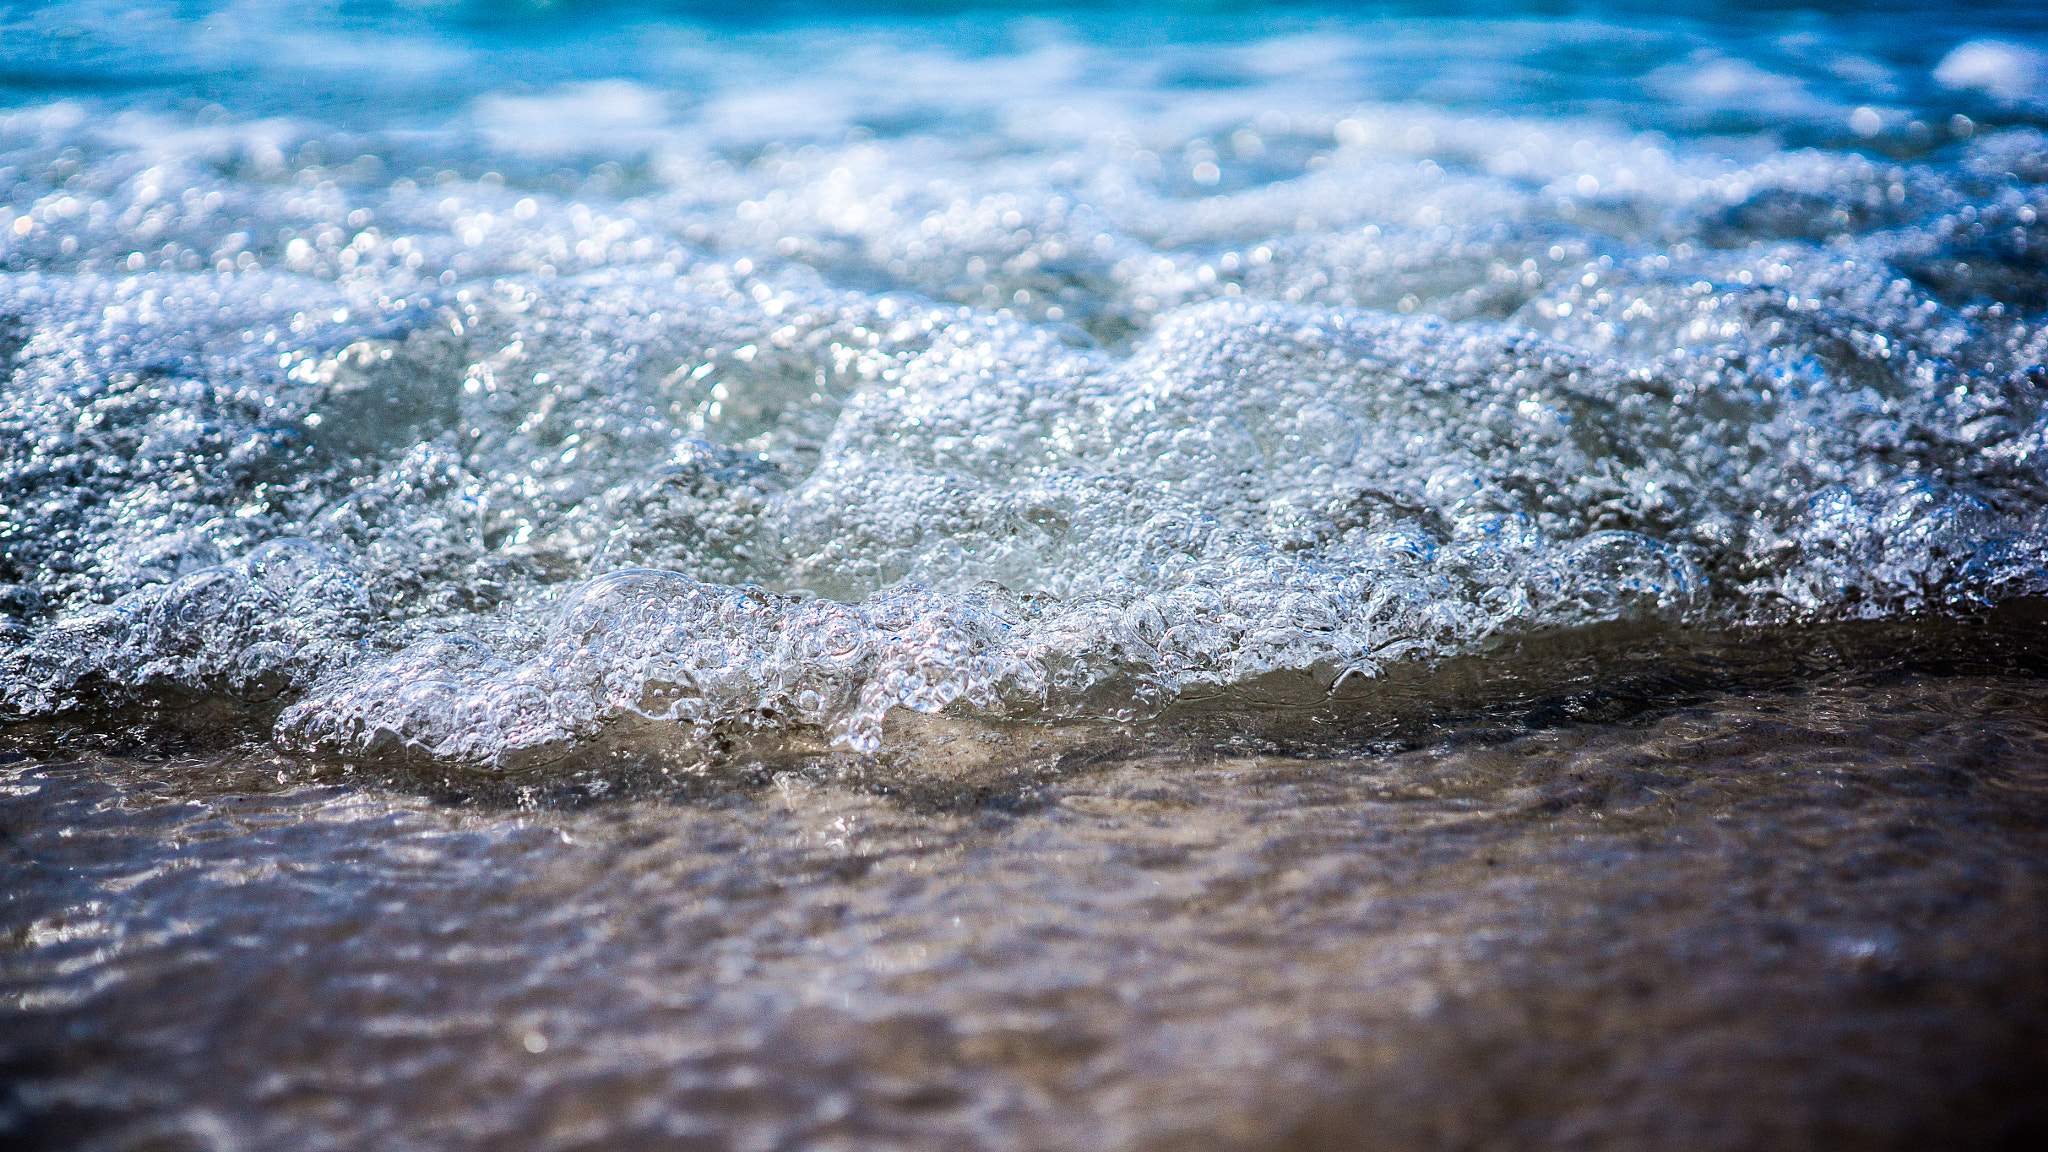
x: 1022, y: 576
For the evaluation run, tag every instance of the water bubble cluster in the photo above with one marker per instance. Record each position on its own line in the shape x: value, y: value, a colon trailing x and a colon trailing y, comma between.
x: 481, y: 445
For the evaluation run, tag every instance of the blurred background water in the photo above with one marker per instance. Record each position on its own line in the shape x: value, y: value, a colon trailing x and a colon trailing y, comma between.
x: 370, y: 65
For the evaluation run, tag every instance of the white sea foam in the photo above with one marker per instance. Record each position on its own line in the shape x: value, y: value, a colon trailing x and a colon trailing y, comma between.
x: 2004, y: 70
x: 613, y: 406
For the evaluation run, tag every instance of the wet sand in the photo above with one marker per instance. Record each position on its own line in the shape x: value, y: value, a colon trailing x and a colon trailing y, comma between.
x: 1807, y: 909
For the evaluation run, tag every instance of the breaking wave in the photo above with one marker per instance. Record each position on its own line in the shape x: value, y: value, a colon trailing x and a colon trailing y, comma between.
x: 1037, y: 383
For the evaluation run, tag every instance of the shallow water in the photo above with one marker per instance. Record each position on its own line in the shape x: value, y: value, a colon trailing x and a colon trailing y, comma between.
x: 1022, y: 576
x: 1783, y: 915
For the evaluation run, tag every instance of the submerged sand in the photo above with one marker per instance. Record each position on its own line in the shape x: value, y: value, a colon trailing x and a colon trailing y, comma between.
x: 1808, y: 912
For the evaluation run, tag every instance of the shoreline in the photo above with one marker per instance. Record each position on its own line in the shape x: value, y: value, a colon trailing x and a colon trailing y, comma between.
x: 1805, y: 913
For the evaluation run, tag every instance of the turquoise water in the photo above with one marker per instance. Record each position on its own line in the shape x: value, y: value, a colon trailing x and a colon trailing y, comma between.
x: 508, y: 427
